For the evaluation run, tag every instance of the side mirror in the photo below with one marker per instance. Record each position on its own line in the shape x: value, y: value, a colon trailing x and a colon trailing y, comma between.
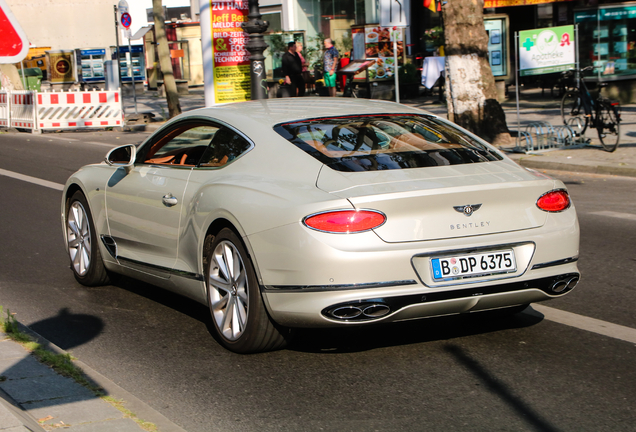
x: 123, y: 156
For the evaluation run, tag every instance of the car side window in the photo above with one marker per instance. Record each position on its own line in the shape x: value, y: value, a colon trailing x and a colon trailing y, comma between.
x: 226, y: 146
x: 182, y: 146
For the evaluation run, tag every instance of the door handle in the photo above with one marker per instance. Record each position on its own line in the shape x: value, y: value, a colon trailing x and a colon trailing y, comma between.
x: 169, y: 200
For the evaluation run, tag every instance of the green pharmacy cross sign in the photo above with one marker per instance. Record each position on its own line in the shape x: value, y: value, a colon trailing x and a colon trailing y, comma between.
x: 546, y: 50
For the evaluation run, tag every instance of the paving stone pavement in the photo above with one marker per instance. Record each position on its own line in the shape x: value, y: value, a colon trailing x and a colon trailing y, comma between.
x: 31, y: 391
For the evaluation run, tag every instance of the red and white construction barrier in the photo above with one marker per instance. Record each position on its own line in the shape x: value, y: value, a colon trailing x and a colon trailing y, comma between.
x: 60, y: 110
x: 22, y: 109
x: 72, y: 110
x: 4, y: 109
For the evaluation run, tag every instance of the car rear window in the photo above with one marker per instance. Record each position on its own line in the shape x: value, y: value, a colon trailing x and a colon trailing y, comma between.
x: 384, y: 142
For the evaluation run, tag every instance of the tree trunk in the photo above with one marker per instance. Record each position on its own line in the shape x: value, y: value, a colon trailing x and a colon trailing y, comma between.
x: 471, y: 94
x: 10, y: 77
x: 169, y: 84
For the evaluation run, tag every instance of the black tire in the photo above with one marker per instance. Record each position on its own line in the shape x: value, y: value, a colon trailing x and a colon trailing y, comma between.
x: 246, y: 327
x: 86, y: 259
x: 572, y: 107
x: 608, y: 127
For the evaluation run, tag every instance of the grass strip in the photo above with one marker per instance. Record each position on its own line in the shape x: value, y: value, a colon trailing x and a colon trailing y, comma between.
x: 63, y: 365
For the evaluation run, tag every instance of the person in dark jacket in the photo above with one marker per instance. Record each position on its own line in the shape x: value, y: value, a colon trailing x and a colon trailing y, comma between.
x: 293, y: 68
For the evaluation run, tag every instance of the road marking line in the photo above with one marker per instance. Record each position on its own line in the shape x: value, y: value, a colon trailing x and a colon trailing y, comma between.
x: 100, y: 144
x: 34, y: 180
x: 618, y: 215
x: 593, y: 325
x: 58, y: 138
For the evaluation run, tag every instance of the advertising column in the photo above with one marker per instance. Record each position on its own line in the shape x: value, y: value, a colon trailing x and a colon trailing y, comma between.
x: 230, y: 60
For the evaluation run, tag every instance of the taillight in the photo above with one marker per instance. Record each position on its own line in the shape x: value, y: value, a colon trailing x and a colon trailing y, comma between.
x: 554, y: 201
x: 345, y: 221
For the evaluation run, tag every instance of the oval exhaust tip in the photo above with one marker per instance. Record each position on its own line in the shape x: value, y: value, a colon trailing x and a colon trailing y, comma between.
x: 573, y: 282
x: 346, y: 312
x: 376, y: 311
x: 559, y: 287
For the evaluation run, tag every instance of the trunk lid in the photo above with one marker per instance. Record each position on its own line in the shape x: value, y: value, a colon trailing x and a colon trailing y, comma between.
x: 429, y: 203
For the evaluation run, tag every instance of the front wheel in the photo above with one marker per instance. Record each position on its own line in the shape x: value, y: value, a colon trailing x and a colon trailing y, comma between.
x: 83, y: 250
x: 572, y: 107
x: 608, y: 127
x: 240, y: 320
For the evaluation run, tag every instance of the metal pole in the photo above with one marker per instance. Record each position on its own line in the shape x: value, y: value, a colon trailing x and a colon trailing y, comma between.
x: 598, y: 39
x: 517, y: 84
x: 117, y: 53
x: 576, y: 54
x: 23, y: 77
x: 395, y: 68
x: 255, y: 27
x: 131, y: 71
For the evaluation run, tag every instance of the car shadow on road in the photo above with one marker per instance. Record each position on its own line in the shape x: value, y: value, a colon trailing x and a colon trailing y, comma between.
x: 364, y: 338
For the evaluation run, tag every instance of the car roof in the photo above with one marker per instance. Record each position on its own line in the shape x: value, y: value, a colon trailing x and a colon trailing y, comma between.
x: 269, y: 112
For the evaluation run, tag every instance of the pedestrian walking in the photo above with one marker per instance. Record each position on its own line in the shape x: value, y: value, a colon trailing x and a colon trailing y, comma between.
x: 330, y: 66
x: 292, y: 69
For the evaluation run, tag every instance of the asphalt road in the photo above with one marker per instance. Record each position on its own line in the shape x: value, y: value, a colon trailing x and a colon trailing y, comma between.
x: 520, y: 373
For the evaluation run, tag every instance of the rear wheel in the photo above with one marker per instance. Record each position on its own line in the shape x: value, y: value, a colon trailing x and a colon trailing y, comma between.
x: 572, y: 108
x: 83, y: 250
x: 240, y: 320
x: 608, y: 127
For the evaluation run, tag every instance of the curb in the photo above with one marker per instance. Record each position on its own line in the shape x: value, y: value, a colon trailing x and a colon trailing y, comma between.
x: 591, y: 169
x: 134, y: 404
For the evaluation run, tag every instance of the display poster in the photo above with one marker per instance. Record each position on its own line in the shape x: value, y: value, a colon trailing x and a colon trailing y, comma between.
x: 357, y: 34
x: 230, y: 59
x: 546, y: 50
x: 61, y: 65
x: 379, y: 46
x: 497, y: 50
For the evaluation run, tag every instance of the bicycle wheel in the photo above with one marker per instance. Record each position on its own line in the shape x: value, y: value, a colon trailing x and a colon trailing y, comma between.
x: 572, y: 107
x: 608, y: 127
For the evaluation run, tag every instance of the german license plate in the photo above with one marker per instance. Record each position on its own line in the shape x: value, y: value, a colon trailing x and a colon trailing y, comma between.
x: 473, y: 265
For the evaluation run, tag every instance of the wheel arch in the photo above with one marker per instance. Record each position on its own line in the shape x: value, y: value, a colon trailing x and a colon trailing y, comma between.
x: 215, y: 226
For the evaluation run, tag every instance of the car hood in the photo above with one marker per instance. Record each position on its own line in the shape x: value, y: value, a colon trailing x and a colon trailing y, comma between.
x: 429, y: 203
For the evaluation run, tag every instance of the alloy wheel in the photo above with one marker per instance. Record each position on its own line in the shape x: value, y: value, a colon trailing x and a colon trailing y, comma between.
x: 228, y: 290
x: 78, y: 234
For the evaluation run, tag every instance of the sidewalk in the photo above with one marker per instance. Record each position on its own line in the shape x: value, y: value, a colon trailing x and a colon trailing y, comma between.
x: 33, y: 397
x: 533, y: 107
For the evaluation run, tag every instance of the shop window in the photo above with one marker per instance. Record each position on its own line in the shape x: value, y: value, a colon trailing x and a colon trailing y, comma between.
x: 607, y: 40
x: 544, y: 15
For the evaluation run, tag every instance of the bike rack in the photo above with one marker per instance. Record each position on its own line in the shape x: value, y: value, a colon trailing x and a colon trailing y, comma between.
x: 542, y: 136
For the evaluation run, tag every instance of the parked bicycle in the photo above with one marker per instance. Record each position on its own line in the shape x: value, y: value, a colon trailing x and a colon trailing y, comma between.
x: 597, y: 112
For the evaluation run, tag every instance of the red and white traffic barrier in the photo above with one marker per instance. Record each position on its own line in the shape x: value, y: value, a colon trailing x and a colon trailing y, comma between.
x: 21, y: 109
x: 60, y: 110
x: 79, y: 109
x: 4, y: 109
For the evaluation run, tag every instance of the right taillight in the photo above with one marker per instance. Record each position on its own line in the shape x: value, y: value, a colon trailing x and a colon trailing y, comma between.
x: 554, y: 201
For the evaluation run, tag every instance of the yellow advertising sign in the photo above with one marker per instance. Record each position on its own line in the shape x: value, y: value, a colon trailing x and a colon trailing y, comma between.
x: 230, y: 59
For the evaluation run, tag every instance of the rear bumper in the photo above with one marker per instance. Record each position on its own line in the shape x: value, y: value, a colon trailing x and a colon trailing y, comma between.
x: 338, y: 307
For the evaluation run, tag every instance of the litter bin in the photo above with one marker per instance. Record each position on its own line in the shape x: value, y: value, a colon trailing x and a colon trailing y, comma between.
x: 33, y: 78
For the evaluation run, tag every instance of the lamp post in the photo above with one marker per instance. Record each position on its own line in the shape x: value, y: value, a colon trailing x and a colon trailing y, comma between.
x: 256, y: 45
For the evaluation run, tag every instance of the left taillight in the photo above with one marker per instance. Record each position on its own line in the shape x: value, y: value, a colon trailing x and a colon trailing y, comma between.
x: 345, y: 221
x: 554, y: 201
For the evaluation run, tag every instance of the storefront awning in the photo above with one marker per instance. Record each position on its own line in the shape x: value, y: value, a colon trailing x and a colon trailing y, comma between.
x: 506, y: 3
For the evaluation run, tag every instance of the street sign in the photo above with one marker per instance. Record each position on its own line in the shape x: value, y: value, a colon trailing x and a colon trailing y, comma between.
x: 394, y: 13
x: 14, y: 44
x: 546, y: 50
x: 126, y: 20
